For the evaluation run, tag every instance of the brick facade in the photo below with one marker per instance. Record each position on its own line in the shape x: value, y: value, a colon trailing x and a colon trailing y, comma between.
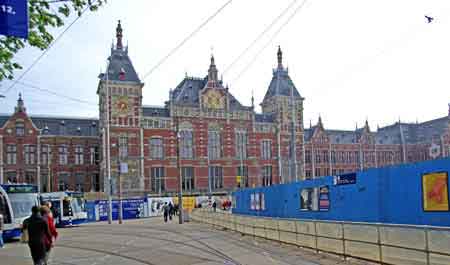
x: 222, y: 143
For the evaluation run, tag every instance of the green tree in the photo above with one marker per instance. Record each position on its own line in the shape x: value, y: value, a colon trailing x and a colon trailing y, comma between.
x: 43, y: 15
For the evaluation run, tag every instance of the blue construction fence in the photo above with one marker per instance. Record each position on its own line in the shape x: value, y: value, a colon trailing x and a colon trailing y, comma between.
x: 415, y: 194
x: 131, y: 209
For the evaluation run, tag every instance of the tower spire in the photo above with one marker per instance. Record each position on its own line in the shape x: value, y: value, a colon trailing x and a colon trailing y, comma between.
x: 280, y: 57
x: 212, y: 71
x: 119, y: 36
x: 20, y: 105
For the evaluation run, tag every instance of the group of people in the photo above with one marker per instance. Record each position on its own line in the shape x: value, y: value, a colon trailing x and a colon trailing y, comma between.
x: 40, y: 232
x: 169, y: 210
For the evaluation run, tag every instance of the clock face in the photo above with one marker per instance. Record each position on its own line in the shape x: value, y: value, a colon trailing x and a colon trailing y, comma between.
x: 213, y: 99
x: 121, y: 105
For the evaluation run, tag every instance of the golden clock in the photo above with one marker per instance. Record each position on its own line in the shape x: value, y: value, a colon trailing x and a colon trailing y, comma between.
x: 213, y: 99
x: 121, y: 105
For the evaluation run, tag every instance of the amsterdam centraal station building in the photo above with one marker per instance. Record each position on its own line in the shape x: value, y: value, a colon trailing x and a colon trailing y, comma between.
x: 222, y: 144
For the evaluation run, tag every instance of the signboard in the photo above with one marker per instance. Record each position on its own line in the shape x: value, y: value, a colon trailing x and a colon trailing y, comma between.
x: 123, y: 168
x: 131, y: 208
x: 345, y: 179
x: 324, y: 198
x: 238, y: 179
x: 20, y: 188
x: 14, y: 18
x: 435, y: 191
x: 188, y: 202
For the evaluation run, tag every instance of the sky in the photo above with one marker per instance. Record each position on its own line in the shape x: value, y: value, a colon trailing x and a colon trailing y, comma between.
x: 351, y: 60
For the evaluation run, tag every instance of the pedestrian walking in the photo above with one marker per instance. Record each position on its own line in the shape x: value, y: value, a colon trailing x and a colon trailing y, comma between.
x: 2, y: 223
x: 37, y: 230
x: 171, y: 210
x: 49, y: 241
x: 214, y: 205
x: 165, y: 211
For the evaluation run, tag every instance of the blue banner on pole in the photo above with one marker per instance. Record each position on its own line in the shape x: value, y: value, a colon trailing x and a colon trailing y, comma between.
x: 14, y: 18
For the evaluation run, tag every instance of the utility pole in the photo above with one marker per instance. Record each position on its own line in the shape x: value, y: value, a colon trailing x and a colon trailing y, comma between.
x: 180, y: 177
x: 119, y: 172
x: 108, y: 148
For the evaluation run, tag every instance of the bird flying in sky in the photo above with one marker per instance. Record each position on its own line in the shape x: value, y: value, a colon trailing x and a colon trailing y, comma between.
x: 429, y: 19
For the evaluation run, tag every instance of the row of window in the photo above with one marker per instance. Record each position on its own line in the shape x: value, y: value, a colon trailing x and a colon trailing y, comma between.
x: 318, y: 172
x: 78, y: 183
x: 30, y: 155
x: 348, y: 157
x: 215, y: 178
x: 214, y: 146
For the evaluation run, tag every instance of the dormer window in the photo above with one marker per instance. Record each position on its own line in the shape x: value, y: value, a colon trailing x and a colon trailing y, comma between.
x: 20, y: 128
x: 62, y: 128
x: 122, y: 74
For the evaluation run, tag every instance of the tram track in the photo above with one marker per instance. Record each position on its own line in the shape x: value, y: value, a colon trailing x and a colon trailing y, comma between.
x: 110, y: 253
x: 266, y: 251
x: 209, y: 250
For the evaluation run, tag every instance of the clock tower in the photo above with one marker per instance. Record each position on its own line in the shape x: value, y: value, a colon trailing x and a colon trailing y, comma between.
x: 120, y: 101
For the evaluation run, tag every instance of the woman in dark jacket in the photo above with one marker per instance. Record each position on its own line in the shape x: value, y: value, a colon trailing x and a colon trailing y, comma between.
x: 38, y: 231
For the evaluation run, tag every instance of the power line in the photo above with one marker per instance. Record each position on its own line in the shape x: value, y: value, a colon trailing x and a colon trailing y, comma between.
x: 46, y: 50
x: 186, y: 39
x: 57, y: 94
x: 270, y: 41
x: 259, y: 36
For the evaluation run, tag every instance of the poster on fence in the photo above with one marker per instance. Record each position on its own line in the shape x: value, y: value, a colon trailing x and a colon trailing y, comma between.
x: 263, y: 201
x: 252, y: 202
x: 324, y: 198
x: 257, y: 201
x: 155, y: 205
x: 435, y: 191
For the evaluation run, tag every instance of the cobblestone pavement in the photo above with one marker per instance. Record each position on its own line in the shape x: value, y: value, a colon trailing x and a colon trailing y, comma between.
x: 150, y: 241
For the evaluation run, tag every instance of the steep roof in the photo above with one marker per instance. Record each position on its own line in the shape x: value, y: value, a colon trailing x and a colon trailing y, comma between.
x: 120, y: 66
x: 188, y: 90
x: 281, y: 83
x: 62, y: 126
x: 154, y: 111
x: 264, y: 117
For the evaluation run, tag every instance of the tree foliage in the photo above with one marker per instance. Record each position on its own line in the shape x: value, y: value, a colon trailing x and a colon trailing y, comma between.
x: 43, y: 15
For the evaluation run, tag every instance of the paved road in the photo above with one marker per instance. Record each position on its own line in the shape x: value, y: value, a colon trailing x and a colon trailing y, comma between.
x: 151, y: 242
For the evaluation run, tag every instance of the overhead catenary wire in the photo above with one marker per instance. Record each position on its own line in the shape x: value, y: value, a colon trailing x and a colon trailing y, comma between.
x: 46, y: 50
x: 250, y: 63
x: 192, y: 34
x: 274, y: 21
x: 77, y: 100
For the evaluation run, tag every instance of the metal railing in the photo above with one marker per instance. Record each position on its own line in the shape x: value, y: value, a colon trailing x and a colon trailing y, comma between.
x: 376, y: 242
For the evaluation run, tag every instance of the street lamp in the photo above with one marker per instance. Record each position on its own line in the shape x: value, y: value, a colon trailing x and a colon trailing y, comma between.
x: 180, y: 178
x: 120, y: 169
